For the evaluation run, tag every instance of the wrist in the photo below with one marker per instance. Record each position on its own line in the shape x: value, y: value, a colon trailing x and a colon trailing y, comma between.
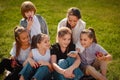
x: 62, y: 71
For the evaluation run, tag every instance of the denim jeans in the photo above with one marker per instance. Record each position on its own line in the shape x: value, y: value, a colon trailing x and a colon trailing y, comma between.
x: 65, y: 63
x: 41, y: 73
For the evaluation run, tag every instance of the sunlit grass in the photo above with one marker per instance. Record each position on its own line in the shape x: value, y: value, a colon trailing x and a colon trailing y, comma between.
x: 102, y: 15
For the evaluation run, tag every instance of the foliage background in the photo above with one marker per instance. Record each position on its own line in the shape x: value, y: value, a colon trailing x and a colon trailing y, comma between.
x: 102, y: 15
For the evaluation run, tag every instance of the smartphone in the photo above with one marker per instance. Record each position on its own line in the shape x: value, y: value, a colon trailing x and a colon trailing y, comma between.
x: 72, y: 52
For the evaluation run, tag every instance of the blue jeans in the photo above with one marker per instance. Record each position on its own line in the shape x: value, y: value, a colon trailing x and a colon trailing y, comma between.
x: 41, y: 73
x: 65, y: 63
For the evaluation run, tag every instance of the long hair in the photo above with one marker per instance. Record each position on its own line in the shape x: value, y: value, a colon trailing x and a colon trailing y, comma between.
x: 75, y: 12
x: 17, y: 31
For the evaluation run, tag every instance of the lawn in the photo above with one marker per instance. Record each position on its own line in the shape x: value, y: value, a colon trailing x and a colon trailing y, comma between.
x: 102, y: 15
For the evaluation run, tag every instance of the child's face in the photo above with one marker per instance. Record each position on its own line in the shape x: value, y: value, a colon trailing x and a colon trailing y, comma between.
x: 24, y: 38
x: 29, y: 14
x: 85, y: 40
x: 72, y: 20
x: 45, y: 43
x: 65, y: 40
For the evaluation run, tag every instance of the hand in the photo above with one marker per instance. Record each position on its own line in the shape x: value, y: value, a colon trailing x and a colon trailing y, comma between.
x: 34, y: 64
x: 68, y: 73
x: 30, y: 22
x: 72, y: 54
x: 100, y: 56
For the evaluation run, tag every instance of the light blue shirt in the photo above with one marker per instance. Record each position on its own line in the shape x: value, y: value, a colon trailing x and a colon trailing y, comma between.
x: 37, y: 56
x: 88, y: 55
x: 23, y: 54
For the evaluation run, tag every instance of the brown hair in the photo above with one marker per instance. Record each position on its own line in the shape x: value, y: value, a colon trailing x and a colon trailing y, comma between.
x: 74, y: 11
x: 37, y: 39
x: 17, y: 31
x: 91, y: 33
x: 27, y: 6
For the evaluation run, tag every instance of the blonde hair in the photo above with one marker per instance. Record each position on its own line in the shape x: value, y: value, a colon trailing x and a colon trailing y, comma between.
x: 63, y: 31
x: 27, y: 6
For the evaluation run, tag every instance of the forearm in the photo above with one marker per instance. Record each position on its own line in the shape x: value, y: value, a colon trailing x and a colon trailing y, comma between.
x: 25, y: 62
x: 76, y: 63
x: 57, y: 68
x: 50, y: 66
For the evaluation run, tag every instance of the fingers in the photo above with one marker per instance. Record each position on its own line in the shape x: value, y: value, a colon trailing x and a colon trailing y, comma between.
x: 35, y: 65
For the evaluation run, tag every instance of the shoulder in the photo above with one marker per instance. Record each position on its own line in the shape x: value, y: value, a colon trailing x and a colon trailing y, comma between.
x: 71, y: 46
x: 63, y: 21
x: 23, y: 20
x: 82, y: 22
x: 39, y: 17
x: 55, y: 46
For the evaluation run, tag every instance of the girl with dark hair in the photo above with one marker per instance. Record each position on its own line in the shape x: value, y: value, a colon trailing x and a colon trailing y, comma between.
x: 76, y: 24
x: 19, y: 53
x: 94, y: 57
x: 38, y: 66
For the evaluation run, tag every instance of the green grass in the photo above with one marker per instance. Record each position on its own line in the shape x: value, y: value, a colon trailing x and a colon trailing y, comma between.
x: 102, y: 15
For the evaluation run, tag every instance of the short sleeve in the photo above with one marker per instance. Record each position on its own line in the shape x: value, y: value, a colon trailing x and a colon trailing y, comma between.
x: 13, y: 51
x: 101, y: 49
x: 53, y: 49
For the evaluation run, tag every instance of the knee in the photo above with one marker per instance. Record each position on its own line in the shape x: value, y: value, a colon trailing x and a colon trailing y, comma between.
x: 44, y: 68
x: 89, y: 68
x: 63, y: 63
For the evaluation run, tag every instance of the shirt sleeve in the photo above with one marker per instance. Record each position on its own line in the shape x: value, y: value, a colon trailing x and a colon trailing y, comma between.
x: 53, y: 49
x: 13, y: 51
x: 101, y: 49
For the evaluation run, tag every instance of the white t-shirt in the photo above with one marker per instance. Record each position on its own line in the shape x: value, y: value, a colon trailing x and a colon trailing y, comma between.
x: 37, y: 56
x: 23, y: 54
x: 36, y: 27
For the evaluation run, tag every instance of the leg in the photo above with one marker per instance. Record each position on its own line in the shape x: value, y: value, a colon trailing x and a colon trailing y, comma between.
x: 27, y: 72
x: 5, y: 64
x: 42, y: 73
x: 100, y: 65
x: 90, y: 70
x: 103, y: 67
x: 14, y: 74
x: 78, y: 73
x: 63, y: 64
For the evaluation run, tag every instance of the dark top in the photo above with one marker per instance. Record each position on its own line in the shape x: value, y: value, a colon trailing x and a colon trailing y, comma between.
x: 55, y: 50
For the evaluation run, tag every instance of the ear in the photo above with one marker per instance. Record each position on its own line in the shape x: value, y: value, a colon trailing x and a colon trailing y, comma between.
x: 37, y: 44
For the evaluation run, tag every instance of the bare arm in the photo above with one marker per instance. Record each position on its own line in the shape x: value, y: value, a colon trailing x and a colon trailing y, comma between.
x: 31, y: 61
x: 55, y: 66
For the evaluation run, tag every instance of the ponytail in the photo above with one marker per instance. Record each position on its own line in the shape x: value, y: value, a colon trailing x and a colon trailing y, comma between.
x: 93, y: 34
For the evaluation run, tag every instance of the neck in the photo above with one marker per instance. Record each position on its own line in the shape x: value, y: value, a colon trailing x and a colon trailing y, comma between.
x: 63, y: 49
x: 25, y: 46
x: 42, y: 51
